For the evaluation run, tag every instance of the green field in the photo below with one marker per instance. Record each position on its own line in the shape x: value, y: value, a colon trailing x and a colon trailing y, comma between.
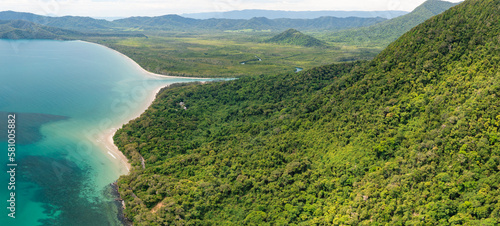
x: 221, y: 54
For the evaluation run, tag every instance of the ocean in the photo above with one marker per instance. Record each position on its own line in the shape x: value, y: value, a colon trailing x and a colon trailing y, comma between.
x: 65, y: 95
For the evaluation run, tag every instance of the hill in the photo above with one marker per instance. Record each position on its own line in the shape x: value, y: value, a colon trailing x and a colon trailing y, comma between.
x: 388, y: 31
x: 20, y: 29
x: 66, y: 22
x: 179, y: 23
x: 409, y: 138
x: 294, y: 37
x: 175, y: 22
x: 275, y: 14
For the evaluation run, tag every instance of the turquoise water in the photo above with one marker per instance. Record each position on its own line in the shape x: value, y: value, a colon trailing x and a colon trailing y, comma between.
x: 65, y: 95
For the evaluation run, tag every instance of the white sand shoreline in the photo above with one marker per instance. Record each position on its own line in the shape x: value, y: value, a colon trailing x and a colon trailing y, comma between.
x: 141, y: 68
x: 106, y: 137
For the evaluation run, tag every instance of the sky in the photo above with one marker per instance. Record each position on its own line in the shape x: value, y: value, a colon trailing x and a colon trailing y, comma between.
x: 127, y: 8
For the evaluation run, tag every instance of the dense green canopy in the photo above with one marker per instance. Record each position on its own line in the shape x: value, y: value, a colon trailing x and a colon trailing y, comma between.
x: 389, y: 30
x: 409, y: 138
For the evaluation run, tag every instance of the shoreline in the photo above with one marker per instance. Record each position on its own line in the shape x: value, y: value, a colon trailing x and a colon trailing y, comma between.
x: 139, y: 66
x: 106, y: 137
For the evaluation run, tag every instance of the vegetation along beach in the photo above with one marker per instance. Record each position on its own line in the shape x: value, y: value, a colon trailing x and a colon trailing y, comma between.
x: 281, y: 118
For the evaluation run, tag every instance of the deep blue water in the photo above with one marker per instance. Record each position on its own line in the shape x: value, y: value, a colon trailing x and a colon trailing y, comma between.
x: 65, y: 94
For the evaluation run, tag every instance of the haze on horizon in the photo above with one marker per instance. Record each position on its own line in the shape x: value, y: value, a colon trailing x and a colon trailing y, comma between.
x: 128, y: 8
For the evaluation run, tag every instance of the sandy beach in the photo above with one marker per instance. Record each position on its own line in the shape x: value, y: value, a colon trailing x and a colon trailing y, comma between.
x: 141, y: 68
x: 106, y: 137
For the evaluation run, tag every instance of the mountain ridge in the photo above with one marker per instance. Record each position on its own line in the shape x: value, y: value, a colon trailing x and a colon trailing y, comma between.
x: 65, y: 22
x: 176, y: 22
x: 179, y: 23
x: 388, y: 31
x: 276, y: 14
x: 20, y: 29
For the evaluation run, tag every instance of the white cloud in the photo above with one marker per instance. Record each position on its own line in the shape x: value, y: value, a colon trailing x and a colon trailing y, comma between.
x: 122, y: 8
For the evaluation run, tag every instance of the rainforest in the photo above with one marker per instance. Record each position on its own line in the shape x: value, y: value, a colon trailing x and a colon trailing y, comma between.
x: 407, y: 138
x: 393, y: 121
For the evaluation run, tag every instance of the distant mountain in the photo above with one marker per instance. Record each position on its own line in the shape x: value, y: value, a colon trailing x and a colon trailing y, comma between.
x: 275, y: 14
x: 66, y: 22
x: 162, y: 22
x: 294, y: 37
x: 20, y: 29
x: 390, y: 30
x: 176, y: 22
x: 179, y: 23
x: 108, y: 18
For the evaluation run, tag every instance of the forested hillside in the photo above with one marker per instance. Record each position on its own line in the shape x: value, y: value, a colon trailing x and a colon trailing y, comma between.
x: 20, y: 29
x: 65, y: 22
x: 409, y: 138
x: 388, y: 31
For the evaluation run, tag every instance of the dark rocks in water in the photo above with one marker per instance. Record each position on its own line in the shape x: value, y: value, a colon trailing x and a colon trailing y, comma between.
x: 120, y: 204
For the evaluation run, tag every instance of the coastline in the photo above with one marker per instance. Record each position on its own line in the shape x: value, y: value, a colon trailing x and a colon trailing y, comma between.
x: 106, y: 137
x: 83, y: 145
x: 139, y: 66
